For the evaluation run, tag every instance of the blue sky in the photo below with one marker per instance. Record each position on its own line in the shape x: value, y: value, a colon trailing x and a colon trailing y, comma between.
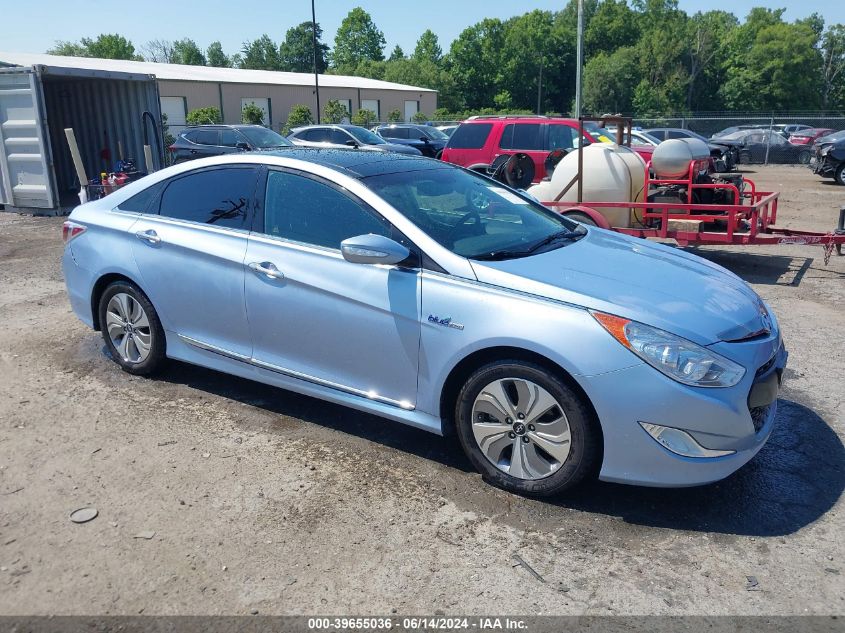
x: 205, y: 21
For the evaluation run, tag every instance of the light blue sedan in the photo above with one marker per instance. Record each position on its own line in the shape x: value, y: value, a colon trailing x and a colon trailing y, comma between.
x: 433, y: 296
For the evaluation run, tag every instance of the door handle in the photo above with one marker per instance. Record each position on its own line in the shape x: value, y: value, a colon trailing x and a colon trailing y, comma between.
x: 149, y: 236
x: 268, y: 269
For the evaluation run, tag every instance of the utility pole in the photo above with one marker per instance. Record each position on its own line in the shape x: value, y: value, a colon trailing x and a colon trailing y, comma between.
x: 316, y: 74
x: 540, y: 88
x: 579, y: 59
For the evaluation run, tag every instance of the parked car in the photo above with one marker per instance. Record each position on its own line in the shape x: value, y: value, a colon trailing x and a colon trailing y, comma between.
x: 829, y: 160
x: 830, y: 138
x: 725, y: 151
x: 213, y: 140
x: 435, y: 297
x: 427, y: 139
x: 809, y: 136
x: 757, y: 145
x: 343, y: 136
x: 783, y: 129
x: 638, y: 136
x: 479, y: 140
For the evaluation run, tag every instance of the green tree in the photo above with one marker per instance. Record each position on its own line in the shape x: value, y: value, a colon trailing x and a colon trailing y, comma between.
x: 186, y: 51
x: 707, y: 37
x: 297, y: 50
x: 661, y: 48
x: 475, y: 58
x: 299, y: 114
x: 394, y: 116
x: 611, y: 26
x: 428, y: 48
x: 364, y: 117
x: 68, y: 49
x: 419, y: 117
x: 203, y: 116
x: 252, y: 114
x: 397, y: 53
x: 334, y: 111
x: 832, y: 49
x: 357, y: 39
x: 105, y: 46
x: 215, y: 56
x: 261, y: 54
x: 609, y: 81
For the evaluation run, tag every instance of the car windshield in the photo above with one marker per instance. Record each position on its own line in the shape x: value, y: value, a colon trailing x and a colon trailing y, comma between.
x: 365, y: 137
x: 261, y: 137
x: 434, y: 134
x: 473, y: 216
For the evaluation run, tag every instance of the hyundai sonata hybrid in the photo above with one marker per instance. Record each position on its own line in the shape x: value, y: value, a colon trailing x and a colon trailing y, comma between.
x: 431, y: 295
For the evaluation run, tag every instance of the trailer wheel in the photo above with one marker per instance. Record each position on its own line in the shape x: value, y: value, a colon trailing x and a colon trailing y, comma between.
x: 839, y: 176
x: 583, y: 218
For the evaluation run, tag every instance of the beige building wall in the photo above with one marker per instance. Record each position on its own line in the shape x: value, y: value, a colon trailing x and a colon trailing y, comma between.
x: 227, y: 96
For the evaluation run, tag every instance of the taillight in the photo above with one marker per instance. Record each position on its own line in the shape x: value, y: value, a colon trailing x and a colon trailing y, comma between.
x: 172, y: 149
x: 71, y: 230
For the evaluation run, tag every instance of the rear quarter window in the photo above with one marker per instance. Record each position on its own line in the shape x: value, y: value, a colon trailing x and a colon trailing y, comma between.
x: 470, y: 136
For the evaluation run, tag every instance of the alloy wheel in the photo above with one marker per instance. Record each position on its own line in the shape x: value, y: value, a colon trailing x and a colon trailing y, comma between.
x: 521, y: 428
x: 128, y: 328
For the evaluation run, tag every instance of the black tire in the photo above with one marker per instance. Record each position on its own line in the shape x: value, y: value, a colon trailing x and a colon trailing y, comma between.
x: 439, y: 155
x: 585, y: 433
x: 804, y: 157
x: 839, y: 175
x: 156, y: 356
x: 578, y: 216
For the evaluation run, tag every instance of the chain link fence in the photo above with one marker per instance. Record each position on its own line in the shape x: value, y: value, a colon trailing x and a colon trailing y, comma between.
x: 782, y: 139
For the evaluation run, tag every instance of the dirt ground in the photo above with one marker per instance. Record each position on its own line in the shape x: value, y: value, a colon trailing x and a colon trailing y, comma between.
x: 262, y: 500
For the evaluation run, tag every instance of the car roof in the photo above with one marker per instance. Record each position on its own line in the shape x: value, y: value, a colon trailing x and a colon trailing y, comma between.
x: 206, y: 126
x: 360, y: 164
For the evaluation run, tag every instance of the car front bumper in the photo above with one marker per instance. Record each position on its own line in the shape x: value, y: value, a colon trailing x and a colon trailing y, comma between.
x: 738, y: 419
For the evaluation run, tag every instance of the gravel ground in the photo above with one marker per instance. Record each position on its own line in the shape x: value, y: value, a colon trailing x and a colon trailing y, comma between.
x: 259, y: 499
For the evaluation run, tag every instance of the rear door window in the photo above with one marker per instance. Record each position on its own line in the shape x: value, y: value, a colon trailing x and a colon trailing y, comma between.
x: 470, y: 136
x: 526, y: 136
x: 221, y: 197
x: 339, y: 137
x: 561, y: 137
x: 206, y: 137
x: 316, y: 135
x: 229, y: 138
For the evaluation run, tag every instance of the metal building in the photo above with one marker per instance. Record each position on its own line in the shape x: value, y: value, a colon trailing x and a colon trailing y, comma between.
x: 103, y: 101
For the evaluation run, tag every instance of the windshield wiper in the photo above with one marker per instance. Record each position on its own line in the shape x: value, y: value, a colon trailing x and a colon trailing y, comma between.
x: 566, y: 234
x: 499, y: 255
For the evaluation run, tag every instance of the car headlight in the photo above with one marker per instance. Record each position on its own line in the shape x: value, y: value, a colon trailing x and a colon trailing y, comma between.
x: 678, y: 358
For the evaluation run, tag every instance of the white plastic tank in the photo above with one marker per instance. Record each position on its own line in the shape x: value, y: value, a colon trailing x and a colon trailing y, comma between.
x: 611, y: 173
x: 671, y: 158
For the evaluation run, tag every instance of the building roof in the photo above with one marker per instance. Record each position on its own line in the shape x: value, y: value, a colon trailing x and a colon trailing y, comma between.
x: 181, y: 72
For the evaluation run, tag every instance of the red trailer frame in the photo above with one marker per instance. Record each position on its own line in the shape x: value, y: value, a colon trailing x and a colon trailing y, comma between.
x: 749, y: 223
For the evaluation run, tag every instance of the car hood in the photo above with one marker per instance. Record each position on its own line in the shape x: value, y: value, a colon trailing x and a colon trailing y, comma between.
x: 727, y: 142
x: 640, y: 280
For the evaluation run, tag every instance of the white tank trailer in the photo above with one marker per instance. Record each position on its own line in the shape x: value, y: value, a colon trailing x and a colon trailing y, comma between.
x: 611, y: 172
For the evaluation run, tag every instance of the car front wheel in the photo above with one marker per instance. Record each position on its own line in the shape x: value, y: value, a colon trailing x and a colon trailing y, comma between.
x: 839, y: 174
x: 526, y: 430
x: 131, y: 328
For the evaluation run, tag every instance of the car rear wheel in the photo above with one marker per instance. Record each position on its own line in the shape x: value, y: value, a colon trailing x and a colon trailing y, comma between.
x: 131, y: 329
x: 526, y: 430
x: 804, y: 157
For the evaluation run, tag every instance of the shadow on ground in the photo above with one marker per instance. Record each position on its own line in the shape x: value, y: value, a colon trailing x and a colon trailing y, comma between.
x: 756, y: 268
x: 795, y: 479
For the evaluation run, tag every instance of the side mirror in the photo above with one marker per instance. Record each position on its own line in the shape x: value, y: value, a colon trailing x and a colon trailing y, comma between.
x: 424, y: 139
x: 373, y: 249
x: 352, y: 143
x: 242, y: 146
